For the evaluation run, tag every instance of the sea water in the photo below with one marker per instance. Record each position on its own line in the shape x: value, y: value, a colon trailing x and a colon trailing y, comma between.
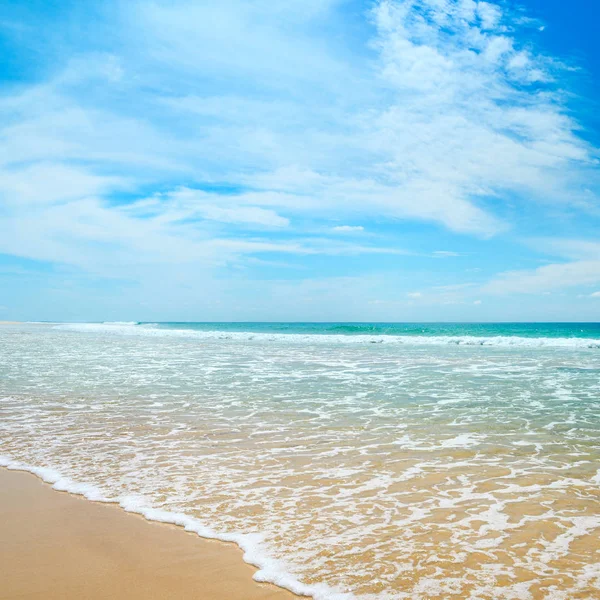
x: 380, y: 461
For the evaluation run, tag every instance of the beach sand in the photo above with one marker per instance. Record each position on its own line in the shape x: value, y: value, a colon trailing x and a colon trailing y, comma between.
x: 56, y: 545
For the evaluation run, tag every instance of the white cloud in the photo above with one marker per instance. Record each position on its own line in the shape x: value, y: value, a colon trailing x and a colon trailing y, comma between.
x: 583, y: 268
x: 48, y: 183
x: 568, y: 248
x: 243, y: 214
x: 427, y: 120
x: 348, y: 228
x: 546, y: 278
x: 595, y: 295
x: 237, y: 39
x: 121, y: 241
x: 464, y: 122
x: 414, y: 294
x: 331, y: 195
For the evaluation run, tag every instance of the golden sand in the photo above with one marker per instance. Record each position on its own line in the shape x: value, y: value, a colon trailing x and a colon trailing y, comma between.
x: 59, y: 546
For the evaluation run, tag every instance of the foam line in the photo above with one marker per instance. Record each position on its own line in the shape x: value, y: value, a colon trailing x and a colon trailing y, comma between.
x: 270, y: 570
x: 317, y: 338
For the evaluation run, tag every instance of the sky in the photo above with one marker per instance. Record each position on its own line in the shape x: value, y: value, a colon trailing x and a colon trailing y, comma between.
x: 306, y: 160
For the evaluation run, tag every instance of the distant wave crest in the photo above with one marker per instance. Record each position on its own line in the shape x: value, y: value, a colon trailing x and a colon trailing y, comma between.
x: 333, y: 338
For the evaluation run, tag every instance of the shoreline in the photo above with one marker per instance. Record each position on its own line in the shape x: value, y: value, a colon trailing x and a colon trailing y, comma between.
x: 61, y: 545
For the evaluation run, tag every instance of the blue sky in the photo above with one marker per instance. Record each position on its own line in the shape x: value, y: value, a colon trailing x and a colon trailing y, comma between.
x: 305, y: 160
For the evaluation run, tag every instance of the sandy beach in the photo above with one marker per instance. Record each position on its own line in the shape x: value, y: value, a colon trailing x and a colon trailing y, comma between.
x: 56, y: 545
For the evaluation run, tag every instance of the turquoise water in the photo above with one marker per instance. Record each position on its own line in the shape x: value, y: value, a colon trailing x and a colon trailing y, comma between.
x: 530, y: 330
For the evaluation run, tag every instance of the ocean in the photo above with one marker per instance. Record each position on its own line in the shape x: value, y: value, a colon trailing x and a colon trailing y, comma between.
x: 348, y: 460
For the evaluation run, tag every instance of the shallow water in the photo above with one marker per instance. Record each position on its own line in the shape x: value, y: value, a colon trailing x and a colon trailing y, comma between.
x: 441, y: 465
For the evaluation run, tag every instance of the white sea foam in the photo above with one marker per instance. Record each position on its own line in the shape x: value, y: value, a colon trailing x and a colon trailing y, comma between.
x: 134, y: 328
x: 269, y: 570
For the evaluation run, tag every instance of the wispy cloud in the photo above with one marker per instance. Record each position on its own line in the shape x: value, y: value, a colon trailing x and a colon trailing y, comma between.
x: 348, y: 229
x: 458, y: 114
x: 203, y: 135
x: 475, y: 113
x: 585, y: 270
x: 446, y: 254
x: 549, y: 277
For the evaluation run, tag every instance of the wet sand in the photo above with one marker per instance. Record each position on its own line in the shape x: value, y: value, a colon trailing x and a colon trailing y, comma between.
x: 59, y: 546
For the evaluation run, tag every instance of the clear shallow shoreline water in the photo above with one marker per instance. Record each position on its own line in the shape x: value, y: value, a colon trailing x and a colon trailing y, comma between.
x: 391, y: 470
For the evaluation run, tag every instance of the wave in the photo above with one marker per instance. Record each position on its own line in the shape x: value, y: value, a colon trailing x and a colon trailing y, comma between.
x: 134, y: 328
x: 269, y: 570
